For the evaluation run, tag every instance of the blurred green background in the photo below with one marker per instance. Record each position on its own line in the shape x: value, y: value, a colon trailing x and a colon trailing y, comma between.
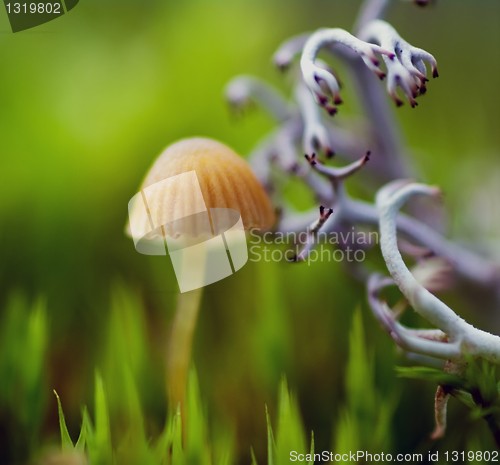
x: 89, y: 100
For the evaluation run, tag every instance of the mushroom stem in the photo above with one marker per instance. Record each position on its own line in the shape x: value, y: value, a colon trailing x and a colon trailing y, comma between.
x: 180, y: 345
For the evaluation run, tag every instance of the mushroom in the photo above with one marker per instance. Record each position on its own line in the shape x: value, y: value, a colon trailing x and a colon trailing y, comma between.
x: 196, y: 190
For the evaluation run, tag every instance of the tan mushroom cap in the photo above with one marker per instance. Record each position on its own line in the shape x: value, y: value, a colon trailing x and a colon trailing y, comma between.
x: 226, y: 181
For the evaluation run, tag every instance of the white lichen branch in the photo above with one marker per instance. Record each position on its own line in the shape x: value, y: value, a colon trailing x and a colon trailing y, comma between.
x: 370, y: 10
x: 312, y: 232
x: 334, y: 174
x: 472, y: 341
x: 289, y: 49
x: 316, y: 136
x: 323, y: 83
x: 354, y: 212
x: 430, y: 342
x: 407, y: 70
x: 242, y: 91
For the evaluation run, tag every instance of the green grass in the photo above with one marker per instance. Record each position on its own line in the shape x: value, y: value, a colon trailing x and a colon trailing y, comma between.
x: 365, y: 421
x: 131, y: 445
x: 121, y: 425
x: 177, y: 444
x: 24, y: 343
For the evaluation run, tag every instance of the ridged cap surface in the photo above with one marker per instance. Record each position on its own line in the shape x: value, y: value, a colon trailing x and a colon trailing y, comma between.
x: 226, y: 181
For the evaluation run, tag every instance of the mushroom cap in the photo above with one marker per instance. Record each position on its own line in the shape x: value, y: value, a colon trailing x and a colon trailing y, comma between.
x: 225, y: 179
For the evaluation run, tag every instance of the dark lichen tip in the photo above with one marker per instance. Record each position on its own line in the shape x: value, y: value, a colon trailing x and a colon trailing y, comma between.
x: 311, y: 159
x: 321, y: 210
x: 338, y: 100
x: 368, y: 154
x: 322, y: 100
x: 429, y: 254
x: 329, y: 153
x: 331, y: 110
x: 282, y: 64
x: 435, y: 73
x: 398, y: 102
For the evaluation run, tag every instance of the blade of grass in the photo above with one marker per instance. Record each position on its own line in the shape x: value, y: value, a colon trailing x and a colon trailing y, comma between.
x: 85, y: 431
x: 101, y: 451
x: 66, y: 442
x: 271, y: 445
